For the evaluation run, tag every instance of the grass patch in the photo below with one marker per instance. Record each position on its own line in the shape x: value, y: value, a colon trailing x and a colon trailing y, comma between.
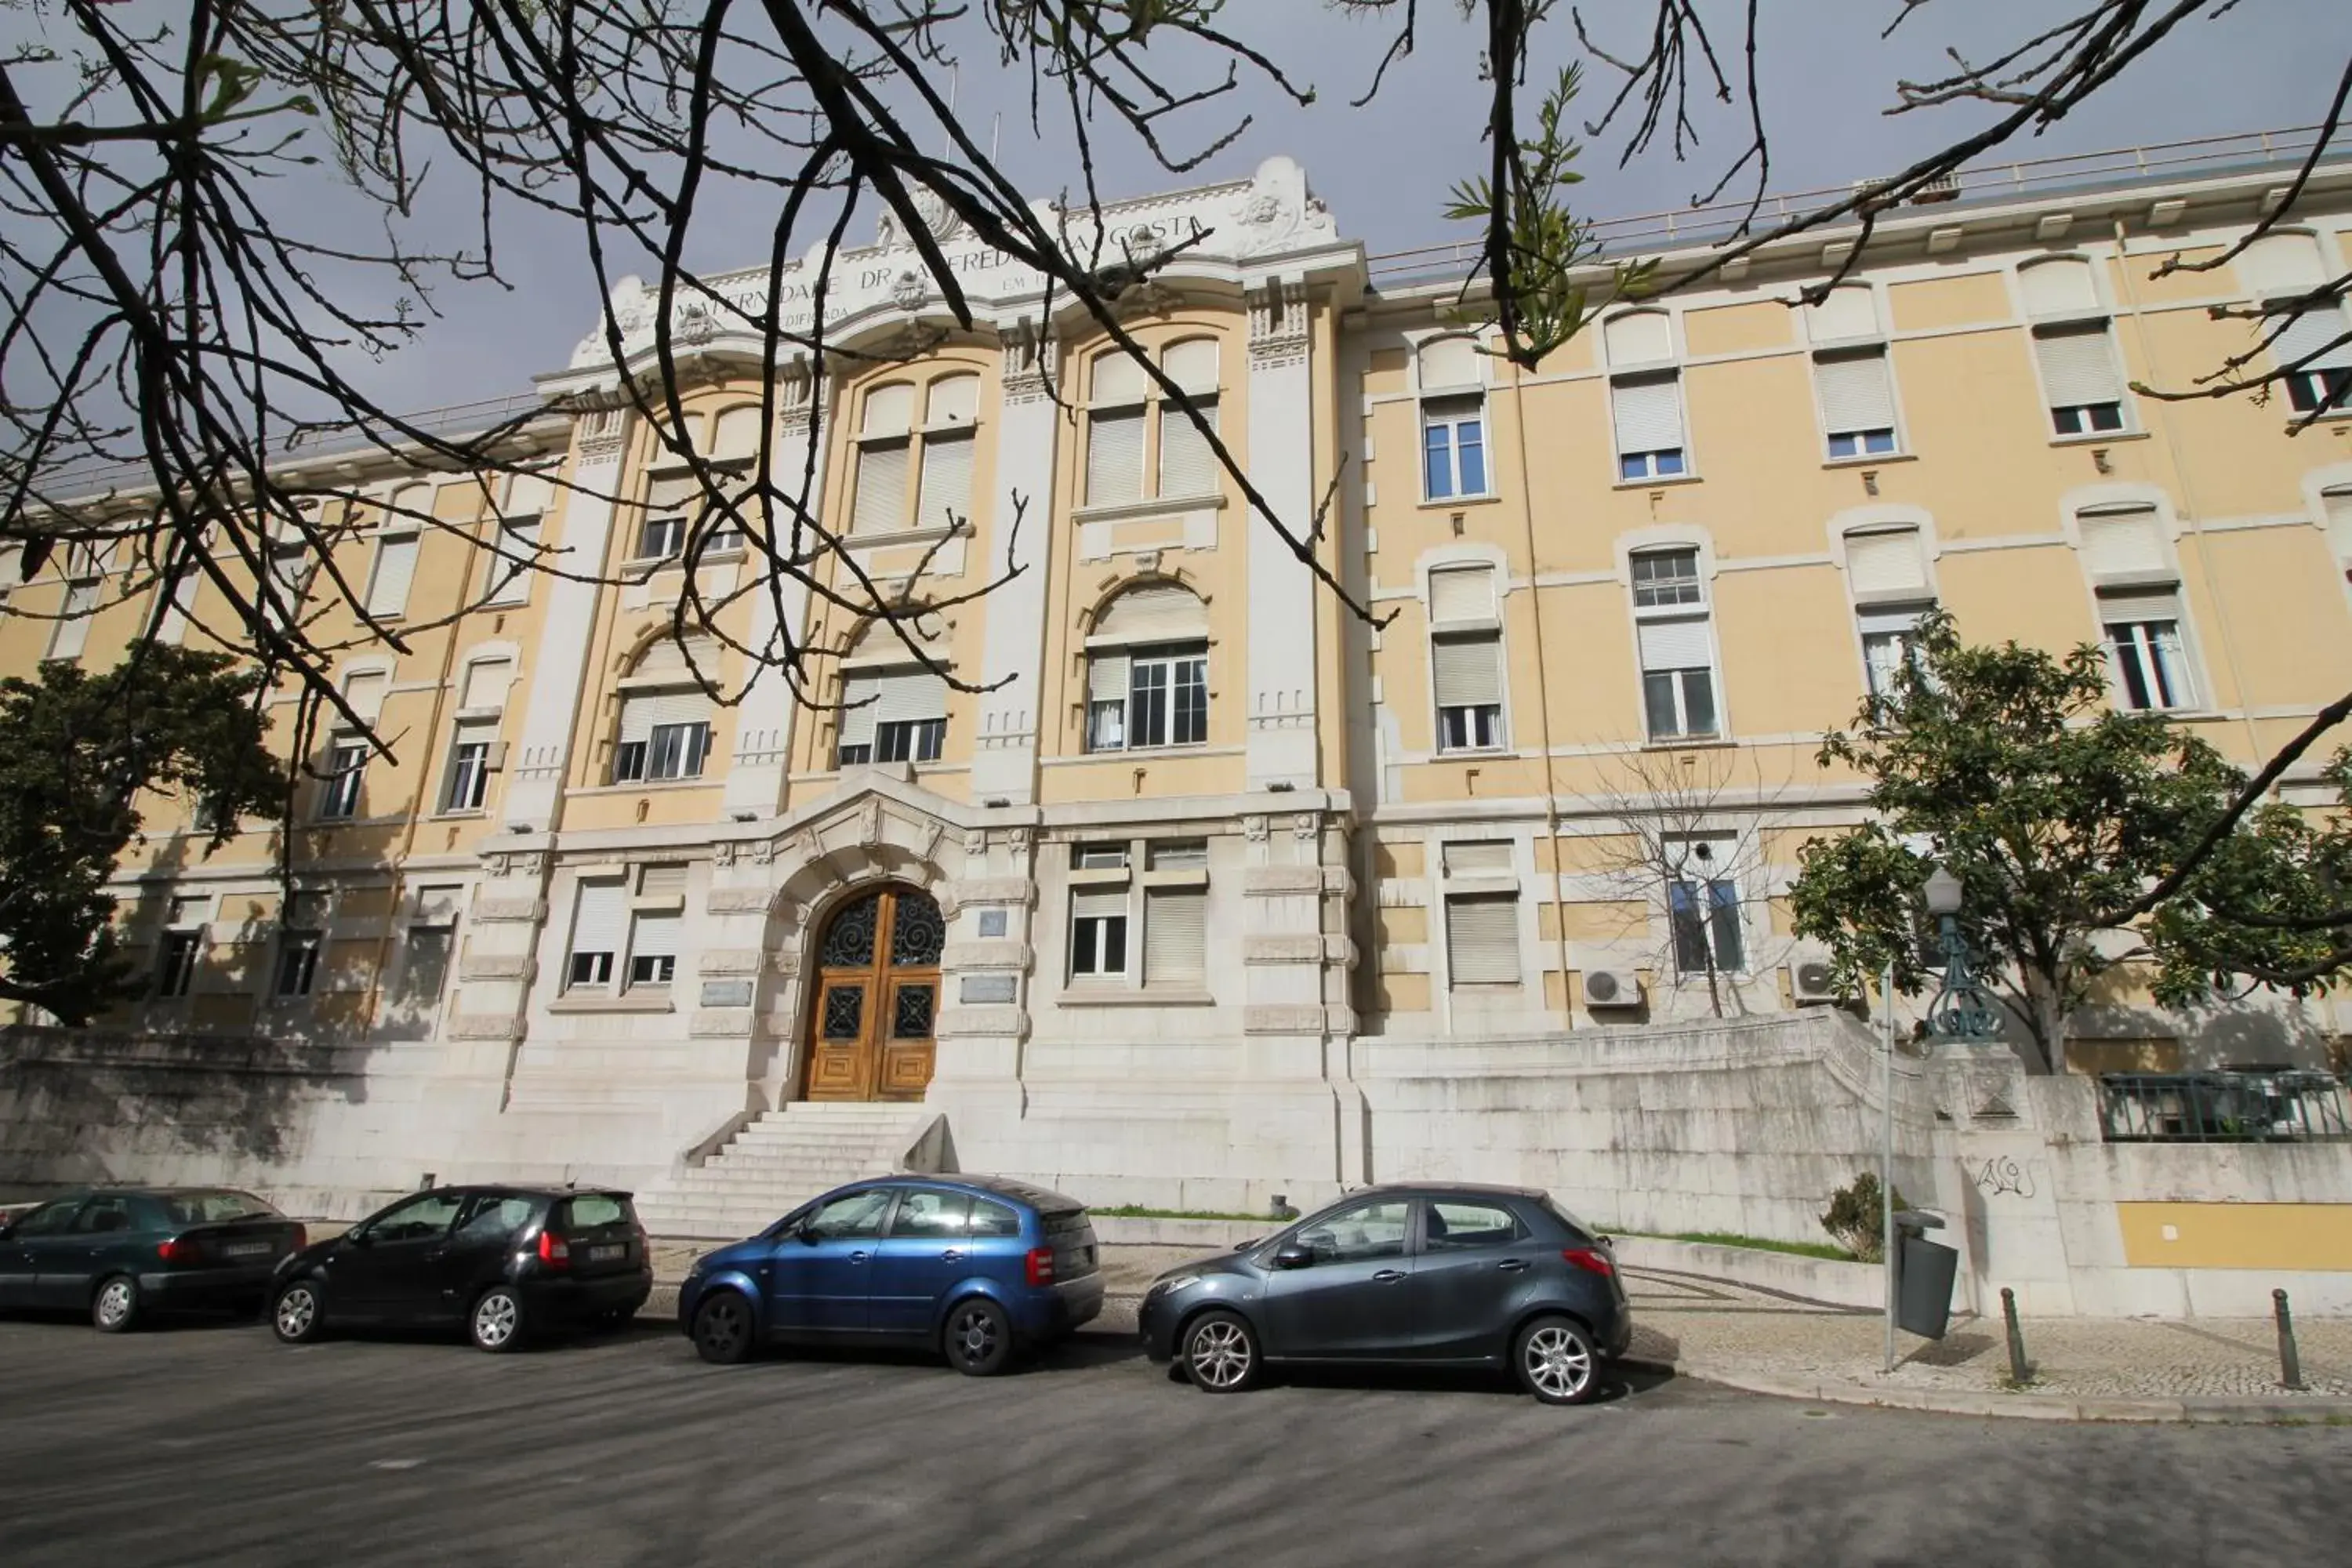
x: 1137, y: 1211
x: 1754, y: 1243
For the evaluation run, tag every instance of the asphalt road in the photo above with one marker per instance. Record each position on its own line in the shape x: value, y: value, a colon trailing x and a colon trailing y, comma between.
x: 216, y: 1444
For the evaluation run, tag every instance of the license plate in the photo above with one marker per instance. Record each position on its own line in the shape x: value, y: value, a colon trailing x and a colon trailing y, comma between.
x: 245, y: 1249
x: 606, y: 1254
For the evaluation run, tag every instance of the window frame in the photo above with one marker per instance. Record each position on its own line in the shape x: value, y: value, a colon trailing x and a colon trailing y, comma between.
x: 1132, y: 870
x: 178, y: 955
x: 1454, y: 411
x: 298, y: 961
x: 1152, y: 408
x: 1700, y: 609
x: 338, y: 790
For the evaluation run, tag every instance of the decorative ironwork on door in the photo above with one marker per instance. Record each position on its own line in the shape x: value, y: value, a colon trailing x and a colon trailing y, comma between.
x: 877, y: 997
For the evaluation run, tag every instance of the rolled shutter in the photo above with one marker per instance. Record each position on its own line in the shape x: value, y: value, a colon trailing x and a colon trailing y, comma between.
x: 858, y: 694
x: 668, y: 657
x: 1175, y: 926
x: 911, y: 696
x: 674, y: 495
x: 642, y: 712
x: 440, y: 905
x: 1115, y: 456
x: 1100, y: 901
x: 1192, y: 365
x: 1468, y: 670
x: 1157, y: 613
x: 528, y: 495
x: 363, y: 693
x: 1486, y: 857
x: 1850, y: 311
x: 736, y: 436
x: 1874, y: 623
x: 396, y: 565
x: 1649, y: 413
x: 1855, y: 392
x: 487, y: 680
x: 1187, y: 465
x: 655, y: 936
x: 2117, y: 543
x: 1885, y: 563
x: 1676, y: 644
x: 954, y: 399
x: 2279, y: 265
x: 1117, y: 379
x: 2061, y: 287
x: 2339, y: 521
x: 1106, y: 676
x: 888, y: 410
x: 946, y: 482
x: 510, y: 578
x: 2319, y: 334
x: 1482, y: 941
x: 1639, y: 337
x: 601, y: 918
x: 1462, y: 593
x: 661, y: 881
x: 1449, y: 362
x: 2078, y: 365
x: 73, y: 627
x: 2115, y: 609
x: 881, y: 502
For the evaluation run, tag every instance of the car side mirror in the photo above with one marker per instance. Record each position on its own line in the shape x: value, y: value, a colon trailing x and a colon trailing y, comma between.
x: 359, y: 1238
x: 1294, y: 1255
x: 807, y: 1233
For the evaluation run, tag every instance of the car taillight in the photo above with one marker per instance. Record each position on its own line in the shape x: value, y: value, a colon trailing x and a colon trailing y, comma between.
x: 553, y: 1250
x: 302, y: 1237
x: 177, y: 1250
x: 644, y: 1243
x: 1592, y: 1259
x: 1040, y: 1263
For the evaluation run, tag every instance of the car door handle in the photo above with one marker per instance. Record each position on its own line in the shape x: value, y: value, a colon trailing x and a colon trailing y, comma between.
x: 1512, y: 1265
x: 857, y: 1257
x: 950, y: 1256
x: 1387, y: 1277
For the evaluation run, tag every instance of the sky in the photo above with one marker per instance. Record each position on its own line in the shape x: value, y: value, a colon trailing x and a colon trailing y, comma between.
x: 1824, y: 79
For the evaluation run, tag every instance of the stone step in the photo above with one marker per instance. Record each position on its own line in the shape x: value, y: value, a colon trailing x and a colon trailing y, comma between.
x: 771, y: 1181
x: 798, y: 1140
x: 761, y: 1159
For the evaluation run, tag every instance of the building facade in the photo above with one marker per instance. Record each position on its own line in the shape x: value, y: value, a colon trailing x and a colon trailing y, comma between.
x: 1187, y: 859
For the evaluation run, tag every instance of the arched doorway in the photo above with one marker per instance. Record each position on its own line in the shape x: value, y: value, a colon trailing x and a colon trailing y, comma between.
x: 878, y: 995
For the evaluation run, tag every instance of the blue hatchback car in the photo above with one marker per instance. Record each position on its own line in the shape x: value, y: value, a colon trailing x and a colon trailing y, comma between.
x: 977, y: 1266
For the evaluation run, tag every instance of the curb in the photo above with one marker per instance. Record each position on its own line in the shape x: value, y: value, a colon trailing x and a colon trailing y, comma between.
x: 2240, y: 1412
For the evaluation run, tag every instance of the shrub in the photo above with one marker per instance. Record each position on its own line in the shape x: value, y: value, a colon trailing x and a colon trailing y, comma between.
x: 1855, y: 1221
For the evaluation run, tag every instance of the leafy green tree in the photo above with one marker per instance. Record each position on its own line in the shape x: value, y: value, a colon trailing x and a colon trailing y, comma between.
x: 2083, y: 838
x: 76, y: 752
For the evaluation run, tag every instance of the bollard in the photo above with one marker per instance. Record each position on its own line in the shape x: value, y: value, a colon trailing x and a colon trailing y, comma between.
x: 2290, y: 1364
x: 2018, y: 1372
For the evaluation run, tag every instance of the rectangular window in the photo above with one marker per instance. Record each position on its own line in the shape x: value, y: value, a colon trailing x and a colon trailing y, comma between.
x: 339, y: 790
x: 1113, y: 455
x: 1886, y: 647
x: 1187, y: 464
x: 1098, y: 857
x: 2079, y: 377
x: 909, y: 740
x: 1663, y: 578
x: 659, y: 538
x: 470, y: 768
x: 883, y: 469
x: 1151, y: 697
x: 652, y: 949
x: 175, y: 968
x: 1454, y: 448
x: 1677, y: 658
x: 900, y: 717
x: 173, y: 609
x: 598, y: 923
x: 1482, y: 940
x: 1649, y: 418
x: 517, y: 540
x: 1098, y: 933
x: 73, y: 627
x: 2314, y: 349
x: 1175, y: 926
x: 2145, y: 652
x: 1467, y: 672
x: 395, y: 567
x: 946, y: 495
x: 1707, y: 936
x: 1857, y: 402
x: 663, y: 735
x: 289, y: 568
x: 298, y: 962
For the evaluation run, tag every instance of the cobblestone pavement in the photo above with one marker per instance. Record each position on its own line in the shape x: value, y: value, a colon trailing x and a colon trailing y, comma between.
x: 1698, y: 1323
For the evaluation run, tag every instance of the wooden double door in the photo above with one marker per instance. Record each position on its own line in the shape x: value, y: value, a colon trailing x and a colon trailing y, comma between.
x: 877, y: 997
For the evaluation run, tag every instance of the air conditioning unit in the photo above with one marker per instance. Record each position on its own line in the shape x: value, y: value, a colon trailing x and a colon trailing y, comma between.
x: 1813, y: 980
x: 1606, y: 988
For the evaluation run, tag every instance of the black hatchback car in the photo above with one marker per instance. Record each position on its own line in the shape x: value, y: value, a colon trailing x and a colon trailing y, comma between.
x: 124, y: 1254
x: 507, y: 1262
x: 1426, y: 1276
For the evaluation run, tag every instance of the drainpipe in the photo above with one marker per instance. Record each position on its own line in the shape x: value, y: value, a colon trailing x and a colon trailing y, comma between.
x: 1543, y: 700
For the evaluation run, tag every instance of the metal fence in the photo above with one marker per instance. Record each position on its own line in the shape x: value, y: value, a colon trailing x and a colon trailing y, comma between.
x: 2283, y: 1107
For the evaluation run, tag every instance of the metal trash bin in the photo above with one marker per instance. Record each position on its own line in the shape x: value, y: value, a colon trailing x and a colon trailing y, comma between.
x: 1924, y: 1272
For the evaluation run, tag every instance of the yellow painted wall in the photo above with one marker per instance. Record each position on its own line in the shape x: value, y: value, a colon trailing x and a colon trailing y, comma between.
x: 2316, y: 1236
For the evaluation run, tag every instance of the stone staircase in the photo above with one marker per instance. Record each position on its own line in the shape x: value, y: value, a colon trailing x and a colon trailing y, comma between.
x: 780, y: 1161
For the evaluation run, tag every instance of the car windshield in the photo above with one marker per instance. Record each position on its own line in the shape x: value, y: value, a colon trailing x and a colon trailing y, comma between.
x: 590, y: 1211
x: 214, y: 1208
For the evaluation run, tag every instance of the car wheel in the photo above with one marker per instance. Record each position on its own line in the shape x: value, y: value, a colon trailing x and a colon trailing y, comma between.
x: 497, y: 1323
x: 1556, y: 1361
x: 1221, y: 1352
x: 979, y: 1338
x: 115, y: 1309
x: 722, y: 1328
x: 298, y: 1315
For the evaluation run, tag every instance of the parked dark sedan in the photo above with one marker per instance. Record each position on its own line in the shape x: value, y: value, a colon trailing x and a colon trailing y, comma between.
x: 1428, y: 1276
x: 975, y: 1266
x: 123, y: 1254
x: 506, y: 1262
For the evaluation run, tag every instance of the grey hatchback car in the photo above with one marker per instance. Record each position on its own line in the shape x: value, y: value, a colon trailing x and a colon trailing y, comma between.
x: 1423, y: 1276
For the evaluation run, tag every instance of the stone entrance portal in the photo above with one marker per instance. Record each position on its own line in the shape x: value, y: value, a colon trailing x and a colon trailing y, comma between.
x: 877, y: 997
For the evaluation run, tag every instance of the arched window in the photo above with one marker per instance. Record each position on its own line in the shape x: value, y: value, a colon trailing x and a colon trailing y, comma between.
x: 2136, y: 584
x: 885, y: 460
x: 1886, y: 573
x: 1453, y: 419
x: 1646, y: 395
x: 1120, y: 402
x: 2310, y: 344
x: 664, y: 730
x: 893, y: 708
x: 1465, y: 655
x: 2081, y: 381
x: 1676, y: 644
x: 1147, y: 670
x: 944, y: 496
x: 395, y: 550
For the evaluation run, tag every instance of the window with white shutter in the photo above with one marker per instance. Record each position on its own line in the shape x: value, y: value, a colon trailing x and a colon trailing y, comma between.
x: 1648, y: 412
x: 951, y: 400
x: 395, y: 568
x: 901, y: 717
x: 600, y: 921
x: 735, y: 434
x: 1466, y: 677
x: 1187, y: 464
x: 881, y: 502
x: 486, y: 684
x: 72, y: 630
x: 1147, y: 670
x: 1850, y: 311
x: 1888, y: 639
x: 1482, y: 940
x: 653, y: 948
x: 1857, y: 402
x: 1192, y: 364
x: 2123, y: 542
x: 946, y: 497
x: 2146, y: 653
x: 2312, y: 350
x: 1454, y: 448
x: 1638, y: 336
x: 1113, y: 455
x: 1098, y: 933
x: 2280, y: 266
x: 1462, y: 593
x: 364, y: 693
x: 2061, y: 286
x: 1478, y: 857
x: 2079, y: 378
x: 1448, y: 364
x: 474, y: 754
x: 1676, y: 644
x: 1175, y: 928
x: 1885, y: 563
x: 666, y: 716
x: 509, y: 569
x: 174, y: 608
